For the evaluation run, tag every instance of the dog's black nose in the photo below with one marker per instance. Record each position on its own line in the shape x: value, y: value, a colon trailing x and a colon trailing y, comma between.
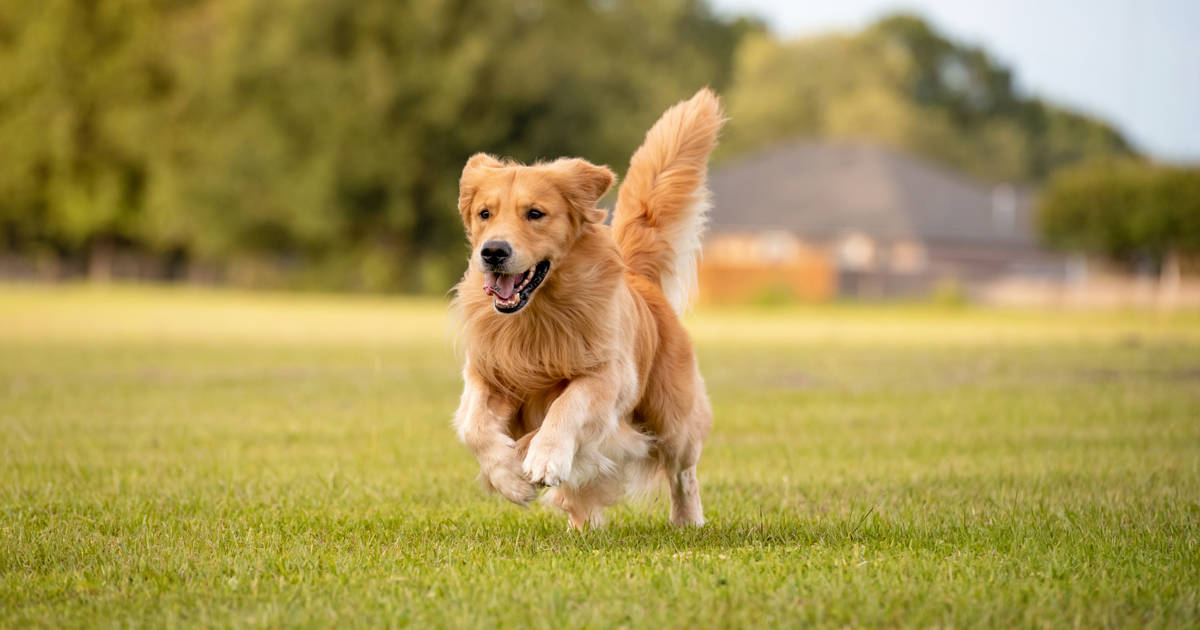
x: 495, y: 253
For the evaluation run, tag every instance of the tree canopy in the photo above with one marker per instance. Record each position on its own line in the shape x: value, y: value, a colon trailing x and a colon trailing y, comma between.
x: 318, y: 142
x: 1128, y: 211
x: 901, y: 83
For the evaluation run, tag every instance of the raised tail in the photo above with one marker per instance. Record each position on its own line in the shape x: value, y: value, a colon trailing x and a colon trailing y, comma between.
x: 663, y: 203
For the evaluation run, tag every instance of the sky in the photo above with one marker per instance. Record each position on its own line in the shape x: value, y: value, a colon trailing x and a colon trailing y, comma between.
x: 1133, y: 63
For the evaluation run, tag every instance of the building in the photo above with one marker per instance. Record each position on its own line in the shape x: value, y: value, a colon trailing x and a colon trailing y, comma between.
x: 817, y: 220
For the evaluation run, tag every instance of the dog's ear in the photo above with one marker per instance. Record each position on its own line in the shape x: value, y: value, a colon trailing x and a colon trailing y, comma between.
x: 583, y: 184
x: 469, y: 182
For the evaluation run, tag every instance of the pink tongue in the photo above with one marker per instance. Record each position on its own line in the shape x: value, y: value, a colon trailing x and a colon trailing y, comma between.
x: 500, y: 284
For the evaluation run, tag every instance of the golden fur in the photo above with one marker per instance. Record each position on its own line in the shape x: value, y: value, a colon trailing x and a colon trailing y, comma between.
x: 592, y: 386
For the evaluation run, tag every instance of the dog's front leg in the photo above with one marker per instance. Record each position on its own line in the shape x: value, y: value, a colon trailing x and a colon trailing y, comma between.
x: 481, y: 422
x: 585, y: 410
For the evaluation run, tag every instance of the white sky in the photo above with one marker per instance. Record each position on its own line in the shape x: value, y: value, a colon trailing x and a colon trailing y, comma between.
x: 1135, y: 64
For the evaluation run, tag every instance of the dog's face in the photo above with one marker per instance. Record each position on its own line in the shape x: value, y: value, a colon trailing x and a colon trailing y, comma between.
x: 522, y: 220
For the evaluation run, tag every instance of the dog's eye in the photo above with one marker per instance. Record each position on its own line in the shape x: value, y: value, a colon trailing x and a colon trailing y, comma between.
x: 485, y: 213
x: 534, y: 214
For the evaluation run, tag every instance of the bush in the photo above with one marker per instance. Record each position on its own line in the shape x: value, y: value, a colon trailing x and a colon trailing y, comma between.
x: 1126, y: 211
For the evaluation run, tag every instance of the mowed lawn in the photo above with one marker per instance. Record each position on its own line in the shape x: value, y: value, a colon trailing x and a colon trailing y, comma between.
x: 181, y: 457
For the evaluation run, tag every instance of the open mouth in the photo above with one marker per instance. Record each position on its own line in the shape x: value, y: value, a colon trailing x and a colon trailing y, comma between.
x: 512, y: 290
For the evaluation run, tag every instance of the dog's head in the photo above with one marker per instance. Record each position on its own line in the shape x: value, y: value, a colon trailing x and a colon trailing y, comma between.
x: 522, y: 220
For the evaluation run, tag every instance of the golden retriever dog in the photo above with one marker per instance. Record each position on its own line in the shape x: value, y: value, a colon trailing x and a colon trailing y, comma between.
x: 577, y: 372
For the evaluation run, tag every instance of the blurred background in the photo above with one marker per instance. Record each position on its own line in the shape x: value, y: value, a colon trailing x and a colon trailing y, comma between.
x: 1003, y: 152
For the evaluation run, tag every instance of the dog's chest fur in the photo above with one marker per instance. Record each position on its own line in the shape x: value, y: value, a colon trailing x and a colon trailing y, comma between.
x: 524, y: 357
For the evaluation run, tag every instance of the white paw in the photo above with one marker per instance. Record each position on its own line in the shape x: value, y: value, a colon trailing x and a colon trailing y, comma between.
x: 549, y: 460
x: 506, y: 478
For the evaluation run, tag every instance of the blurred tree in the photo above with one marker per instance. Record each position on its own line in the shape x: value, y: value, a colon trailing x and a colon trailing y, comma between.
x: 1131, y: 212
x: 319, y: 142
x: 901, y: 83
x: 316, y: 141
x: 335, y: 135
x: 78, y: 100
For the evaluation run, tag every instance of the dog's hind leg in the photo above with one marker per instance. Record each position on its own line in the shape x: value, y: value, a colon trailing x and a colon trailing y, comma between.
x: 686, y: 509
x: 680, y: 464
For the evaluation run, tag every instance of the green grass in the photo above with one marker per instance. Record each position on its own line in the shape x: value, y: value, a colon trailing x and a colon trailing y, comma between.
x: 175, y: 457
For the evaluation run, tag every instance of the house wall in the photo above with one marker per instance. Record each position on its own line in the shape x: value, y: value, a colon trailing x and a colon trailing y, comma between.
x: 739, y: 267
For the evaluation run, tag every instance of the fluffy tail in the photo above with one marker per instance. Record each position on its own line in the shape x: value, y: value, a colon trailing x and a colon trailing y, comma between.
x: 663, y: 203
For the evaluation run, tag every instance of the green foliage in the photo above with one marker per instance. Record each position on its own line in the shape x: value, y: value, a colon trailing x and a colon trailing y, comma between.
x: 319, y: 142
x: 316, y: 136
x: 1127, y: 211
x: 82, y: 85
x: 901, y: 83
x: 868, y: 467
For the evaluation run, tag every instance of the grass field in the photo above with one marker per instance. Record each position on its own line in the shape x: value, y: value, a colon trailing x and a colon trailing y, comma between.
x: 177, y: 457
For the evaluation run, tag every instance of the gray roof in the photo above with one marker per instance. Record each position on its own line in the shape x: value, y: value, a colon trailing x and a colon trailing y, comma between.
x: 822, y: 190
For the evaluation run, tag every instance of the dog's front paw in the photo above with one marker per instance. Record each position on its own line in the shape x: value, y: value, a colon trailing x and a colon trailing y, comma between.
x: 506, y: 478
x: 549, y: 460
